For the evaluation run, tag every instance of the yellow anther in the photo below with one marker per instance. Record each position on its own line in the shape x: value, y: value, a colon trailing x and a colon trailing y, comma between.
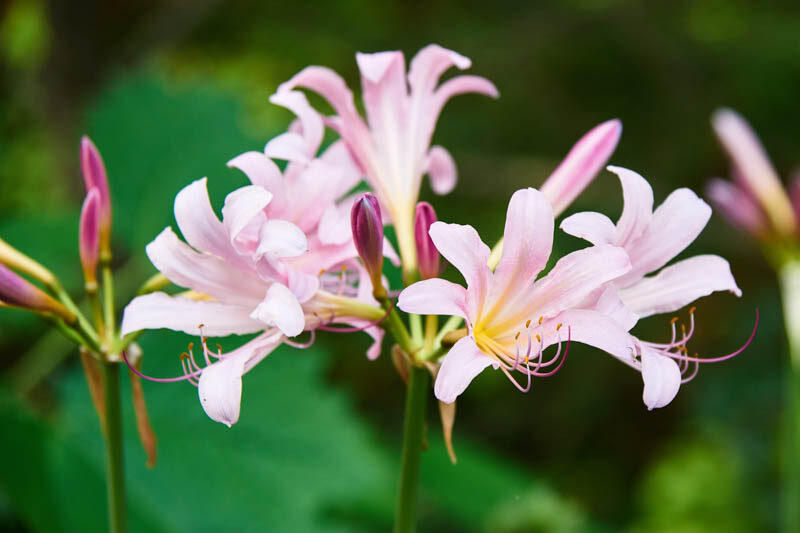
x: 219, y: 348
x: 683, y: 329
x: 526, y: 359
x: 516, y: 337
x: 321, y: 272
x: 692, y: 310
x: 184, y: 355
x: 674, y: 319
x: 541, y: 318
x: 528, y: 323
x: 191, y: 346
x: 538, y: 338
x: 344, y: 268
x: 201, y: 326
x: 558, y: 327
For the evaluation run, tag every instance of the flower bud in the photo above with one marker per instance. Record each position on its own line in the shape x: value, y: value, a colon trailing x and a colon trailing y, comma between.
x: 95, y: 177
x: 89, y: 236
x: 16, y: 291
x: 427, y: 254
x: 367, y: 226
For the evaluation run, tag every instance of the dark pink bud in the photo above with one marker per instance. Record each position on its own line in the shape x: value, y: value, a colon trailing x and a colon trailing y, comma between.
x: 95, y: 177
x: 428, y: 255
x: 17, y: 291
x: 365, y: 219
x: 89, y: 235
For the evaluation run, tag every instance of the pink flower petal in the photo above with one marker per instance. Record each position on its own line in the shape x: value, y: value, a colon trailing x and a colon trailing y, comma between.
x: 281, y: 308
x: 611, y: 305
x: 199, y: 224
x: 260, y: 170
x: 159, y: 310
x: 737, y: 205
x: 527, y: 242
x: 463, y: 248
x: 590, y: 226
x: 302, y: 285
x: 441, y: 169
x: 329, y: 85
x: 582, y: 164
x: 459, y: 367
x: 289, y: 147
x: 242, y: 206
x: 430, y: 63
x: 679, y: 285
x: 280, y: 238
x: 637, y: 210
x: 434, y: 297
x: 592, y: 328
x: 662, y: 379
x: 313, y: 129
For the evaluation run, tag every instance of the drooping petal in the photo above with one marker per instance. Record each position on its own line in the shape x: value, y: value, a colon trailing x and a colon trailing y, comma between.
x: 199, y: 224
x: 260, y: 170
x: 461, y: 85
x: 582, y: 164
x: 200, y: 272
x: 676, y: 223
x: 527, y: 242
x: 441, y: 169
x: 737, y: 205
x: 281, y: 308
x: 280, y: 238
x: 637, y: 210
x: 434, y: 297
x: 679, y: 285
x: 312, y: 127
x: 214, y: 319
x: 430, y: 63
x: 329, y: 85
x: 611, y: 305
x: 592, y: 328
x: 242, y: 206
x: 575, y: 276
x: 662, y: 378
x: 288, y: 147
x: 463, y: 248
x: 755, y: 169
x: 590, y: 226
x: 459, y: 367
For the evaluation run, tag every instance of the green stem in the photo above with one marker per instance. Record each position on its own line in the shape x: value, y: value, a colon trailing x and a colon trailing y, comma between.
x: 108, y: 304
x: 115, y: 476
x: 790, y: 293
x: 413, y: 434
x: 82, y: 325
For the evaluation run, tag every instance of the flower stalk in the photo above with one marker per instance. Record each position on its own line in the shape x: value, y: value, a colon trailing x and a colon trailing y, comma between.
x: 789, y: 275
x: 115, y: 480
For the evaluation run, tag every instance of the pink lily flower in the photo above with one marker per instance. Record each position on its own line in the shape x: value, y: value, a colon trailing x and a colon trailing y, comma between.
x: 756, y: 200
x: 511, y: 316
x: 651, y: 239
x: 392, y: 148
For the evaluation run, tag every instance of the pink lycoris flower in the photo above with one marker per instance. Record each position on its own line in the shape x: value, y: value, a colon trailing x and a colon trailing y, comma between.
x: 756, y: 201
x: 393, y: 147
x: 652, y: 239
x: 507, y: 309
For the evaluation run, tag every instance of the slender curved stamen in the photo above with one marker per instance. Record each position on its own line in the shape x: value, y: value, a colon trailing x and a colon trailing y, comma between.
x: 159, y: 380
x: 302, y: 345
x: 692, y: 375
x: 561, y: 363
x: 187, y: 368
x: 722, y: 357
x: 514, y: 381
x: 324, y: 327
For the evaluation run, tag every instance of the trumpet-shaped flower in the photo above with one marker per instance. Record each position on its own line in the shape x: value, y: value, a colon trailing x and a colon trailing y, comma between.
x: 511, y: 316
x: 651, y: 239
x: 392, y: 147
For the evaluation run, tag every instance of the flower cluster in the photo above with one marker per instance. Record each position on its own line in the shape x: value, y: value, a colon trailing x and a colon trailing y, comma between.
x: 297, y: 250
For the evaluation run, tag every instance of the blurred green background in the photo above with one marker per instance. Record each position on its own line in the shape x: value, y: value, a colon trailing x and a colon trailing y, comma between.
x: 170, y: 90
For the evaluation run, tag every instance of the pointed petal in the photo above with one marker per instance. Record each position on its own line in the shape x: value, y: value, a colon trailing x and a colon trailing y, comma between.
x: 289, y: 147
x: 637, y: 210
x: 385, y: 96
x: 611, y: 305
x: 280, y: 238
x: 582, y: 164
x: 590, y: 226
x: 441, y: 169
x: 329, y: 85
x: 260, y: 170
x: 159, y: 310
x: 755, y: 168
x: 242, y: 205
x: 447, y: 413
x: 737, y: 205
x: 430, y: 63
x: 591, y: 328
x: 434, y: 297
x: 199, y: 224
x: 679, y: 285
x: 462, y: 363
x: 676, y: 223
x: 461, y: 85
x: 662, y: 379
x: 463, y: 248
x: 527, y: 242
x: 312, y: 127
x: 282, y: 309
x: 575, y: 276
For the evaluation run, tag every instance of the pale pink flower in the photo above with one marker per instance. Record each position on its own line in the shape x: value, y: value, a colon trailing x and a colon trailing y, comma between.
x: 651, y: 239
x: 756, y: 200
x: 511, y: 316
x: 392, y: 147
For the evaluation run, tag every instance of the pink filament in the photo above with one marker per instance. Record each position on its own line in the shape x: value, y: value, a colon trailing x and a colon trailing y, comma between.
x: 159, y: 380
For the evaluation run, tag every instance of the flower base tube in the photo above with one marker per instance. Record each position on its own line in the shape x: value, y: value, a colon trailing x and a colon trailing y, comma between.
x: 413, y: 436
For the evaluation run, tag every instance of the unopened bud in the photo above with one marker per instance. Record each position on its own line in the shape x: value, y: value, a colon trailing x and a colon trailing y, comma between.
x: 95, y: 177
x: 16, y: 291
x: 89, y: 236
x: 427, y: 254
x: 365, y: 220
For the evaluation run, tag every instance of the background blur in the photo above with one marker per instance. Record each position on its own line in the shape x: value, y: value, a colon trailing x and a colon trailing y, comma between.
x: 170, y: 90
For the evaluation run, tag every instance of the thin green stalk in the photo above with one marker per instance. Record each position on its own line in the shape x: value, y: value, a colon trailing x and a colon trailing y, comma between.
x: 108, y: 304
x: 790, y: 294
x: 115, y: 475
x: 82, y: 325
x: 405, y: 519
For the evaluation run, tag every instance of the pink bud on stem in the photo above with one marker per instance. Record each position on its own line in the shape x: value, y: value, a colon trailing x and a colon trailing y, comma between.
x: 17, y: 291
x: 427, y: 254
x: 89, y: 237
x: 95, y: 177
x: 367, y: 226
